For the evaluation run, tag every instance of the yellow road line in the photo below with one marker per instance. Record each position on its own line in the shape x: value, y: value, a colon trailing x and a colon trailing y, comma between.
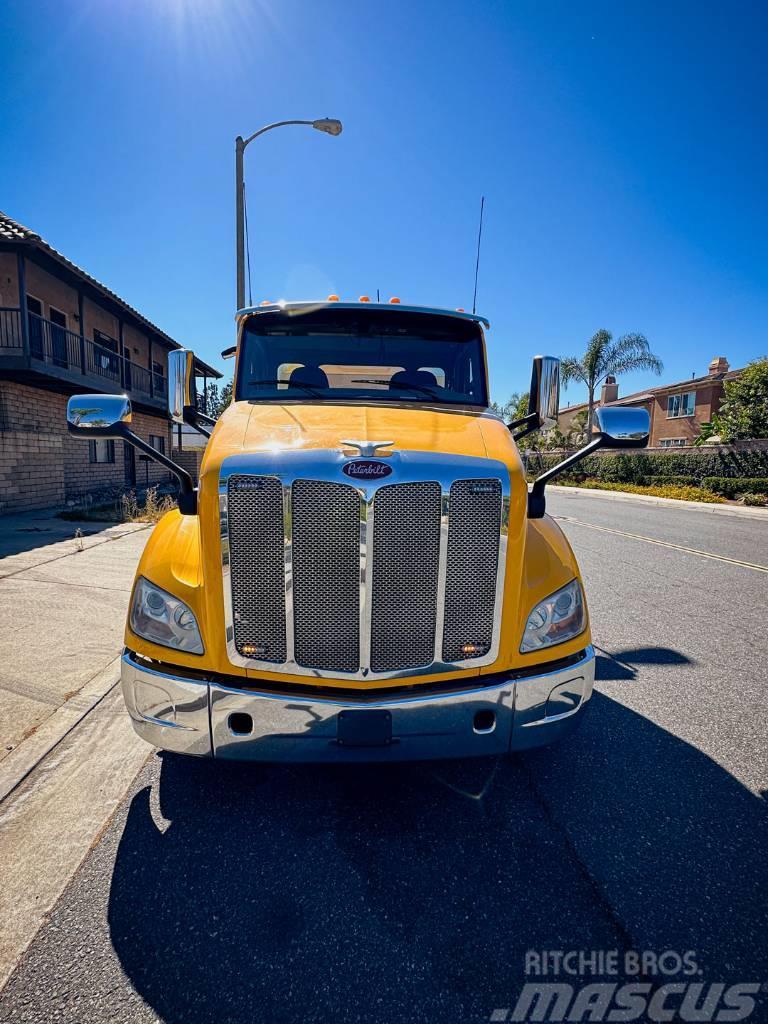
x: 664, y: 544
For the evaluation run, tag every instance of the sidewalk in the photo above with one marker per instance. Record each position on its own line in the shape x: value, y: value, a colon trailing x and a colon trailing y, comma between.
x: 63, y: 600
x: 67, y: 748
x: 699, y: 506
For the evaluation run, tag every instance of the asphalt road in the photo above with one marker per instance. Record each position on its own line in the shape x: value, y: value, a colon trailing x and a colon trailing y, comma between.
x: 412, y: 893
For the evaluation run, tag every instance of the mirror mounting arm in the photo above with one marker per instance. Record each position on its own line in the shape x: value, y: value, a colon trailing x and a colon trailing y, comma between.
x: 187, y: 492
x: 532, y: 421
x: 198, y: 420
x: 537, y: 503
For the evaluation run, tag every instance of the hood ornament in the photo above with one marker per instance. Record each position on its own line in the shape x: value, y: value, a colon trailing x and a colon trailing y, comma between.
x: 368, y: 448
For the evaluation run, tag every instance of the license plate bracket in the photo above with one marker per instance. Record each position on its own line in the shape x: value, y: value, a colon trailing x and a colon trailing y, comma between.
x: 371, y: 727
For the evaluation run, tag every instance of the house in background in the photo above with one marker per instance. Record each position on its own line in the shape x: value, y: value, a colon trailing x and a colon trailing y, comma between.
x: 677, y: 411
x: 64, y: 333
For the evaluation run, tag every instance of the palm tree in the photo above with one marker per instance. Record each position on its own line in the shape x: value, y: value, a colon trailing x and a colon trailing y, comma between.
x: 605, y: 357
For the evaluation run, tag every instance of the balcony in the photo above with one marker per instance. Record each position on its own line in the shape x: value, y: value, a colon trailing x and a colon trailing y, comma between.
x: 56, y: 352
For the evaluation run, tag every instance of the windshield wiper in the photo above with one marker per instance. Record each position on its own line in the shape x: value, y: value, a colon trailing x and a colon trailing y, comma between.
x: 291, y: 384
x: 400, y: 384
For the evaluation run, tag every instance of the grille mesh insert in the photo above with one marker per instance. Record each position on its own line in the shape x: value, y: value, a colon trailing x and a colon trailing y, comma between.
x: 326, y: 575
x: 473, y: 555
x: 257, y: 566
x: 406, y: 547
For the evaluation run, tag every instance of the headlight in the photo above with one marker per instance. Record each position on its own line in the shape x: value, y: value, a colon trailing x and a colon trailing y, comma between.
x: 555, y: 619
x: 164, y: 619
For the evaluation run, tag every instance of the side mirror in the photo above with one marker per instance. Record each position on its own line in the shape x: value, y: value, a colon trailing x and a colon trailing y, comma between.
x: 623, y: 426
x: 98, y: 415
x: 109, y: 416
x: 544, y: 398
x: 181, y: 378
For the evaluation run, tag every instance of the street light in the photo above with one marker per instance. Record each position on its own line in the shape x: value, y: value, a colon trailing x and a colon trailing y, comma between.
x: 329, y: 125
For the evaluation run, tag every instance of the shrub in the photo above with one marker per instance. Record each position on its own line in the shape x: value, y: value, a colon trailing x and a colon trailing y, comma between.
x: 729, y: 487
x: 666, y: 491
x: 631, y: 468
x: 756, y: 499
x: 663, y: 481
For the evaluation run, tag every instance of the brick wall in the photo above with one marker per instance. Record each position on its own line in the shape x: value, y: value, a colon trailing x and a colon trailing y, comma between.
x: 42, y: 465
x: 189, y: 459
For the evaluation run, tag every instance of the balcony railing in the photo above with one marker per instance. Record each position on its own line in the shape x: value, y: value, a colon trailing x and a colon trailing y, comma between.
x: 56, y: 346
x: 10, y: 329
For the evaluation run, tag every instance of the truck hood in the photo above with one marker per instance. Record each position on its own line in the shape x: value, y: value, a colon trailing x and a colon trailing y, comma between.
x: 273, y: 427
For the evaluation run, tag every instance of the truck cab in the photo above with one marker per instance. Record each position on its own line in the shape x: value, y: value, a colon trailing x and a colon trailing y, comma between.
x: 362, y: 573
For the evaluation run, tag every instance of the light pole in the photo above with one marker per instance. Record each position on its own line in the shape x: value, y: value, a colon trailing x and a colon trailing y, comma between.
x: 324, y: 124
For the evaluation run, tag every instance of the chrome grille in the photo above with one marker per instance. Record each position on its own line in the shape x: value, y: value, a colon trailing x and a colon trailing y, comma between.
x: 470, y: 576
x: 406, y: 549
x: 326, y: 575
x: 257, y: 566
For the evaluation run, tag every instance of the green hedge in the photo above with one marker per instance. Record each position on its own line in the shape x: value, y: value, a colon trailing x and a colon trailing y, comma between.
x: 664, y: 481
x: 729, y: 487
x: 635, y: 467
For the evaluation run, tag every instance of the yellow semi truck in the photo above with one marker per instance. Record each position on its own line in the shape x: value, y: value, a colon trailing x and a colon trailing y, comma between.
x: 363, y: 573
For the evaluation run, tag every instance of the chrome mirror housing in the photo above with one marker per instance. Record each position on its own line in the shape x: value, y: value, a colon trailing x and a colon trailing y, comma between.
x: 623, y: 426
x: 181, y: 383
x: 544, y: 399
x: 98, y: 415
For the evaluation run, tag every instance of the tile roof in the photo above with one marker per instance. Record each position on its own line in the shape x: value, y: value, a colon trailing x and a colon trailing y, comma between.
x: 12, y: 231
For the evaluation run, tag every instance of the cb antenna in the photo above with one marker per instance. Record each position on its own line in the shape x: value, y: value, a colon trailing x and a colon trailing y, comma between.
x: 477, y: 260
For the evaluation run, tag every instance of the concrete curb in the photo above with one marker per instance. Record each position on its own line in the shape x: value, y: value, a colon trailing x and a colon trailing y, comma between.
x: 23, y: 759
x: 649, y: 499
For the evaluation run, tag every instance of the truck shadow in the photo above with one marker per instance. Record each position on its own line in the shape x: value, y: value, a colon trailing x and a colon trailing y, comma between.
x: 413, y: 892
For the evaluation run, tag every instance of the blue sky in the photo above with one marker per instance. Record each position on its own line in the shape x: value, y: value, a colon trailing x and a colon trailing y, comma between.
x: 621, y: 148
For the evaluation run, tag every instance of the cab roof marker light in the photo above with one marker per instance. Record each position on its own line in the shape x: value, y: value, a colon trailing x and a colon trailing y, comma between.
x: 333, y: 298
x: 364, y: 298
x: 394, y: 301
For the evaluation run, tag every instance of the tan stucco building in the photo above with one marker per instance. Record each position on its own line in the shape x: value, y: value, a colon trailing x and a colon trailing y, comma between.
x: 677, y: 410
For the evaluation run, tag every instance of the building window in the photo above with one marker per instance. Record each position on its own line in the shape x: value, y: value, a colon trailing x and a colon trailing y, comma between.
x: 158, y: 443
x: 681, y: 405
x: 101, y: 451
x: 672, y: 442
x: 104, y: 340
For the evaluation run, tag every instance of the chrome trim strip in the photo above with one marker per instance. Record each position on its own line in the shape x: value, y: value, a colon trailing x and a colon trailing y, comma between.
x: 442, y: 566
x: 366, y: 581
x: 326, y: 465
x: 290, y: 638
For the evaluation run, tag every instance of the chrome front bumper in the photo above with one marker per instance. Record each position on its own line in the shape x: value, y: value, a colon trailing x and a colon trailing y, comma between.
x: 206, y: 719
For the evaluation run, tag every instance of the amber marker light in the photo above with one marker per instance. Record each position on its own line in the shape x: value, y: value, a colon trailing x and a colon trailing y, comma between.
x: 333, y: 298
x: 394, y: 301
x: 364, y: 298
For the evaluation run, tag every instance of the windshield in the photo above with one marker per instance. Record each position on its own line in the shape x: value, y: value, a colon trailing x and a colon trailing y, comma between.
x: 378, y: 356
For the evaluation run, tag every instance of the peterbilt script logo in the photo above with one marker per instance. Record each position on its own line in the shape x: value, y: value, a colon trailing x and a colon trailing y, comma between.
x: 368, y: 469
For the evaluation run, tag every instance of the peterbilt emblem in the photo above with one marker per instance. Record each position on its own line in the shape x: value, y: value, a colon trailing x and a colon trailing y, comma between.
x: 367, y: 469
